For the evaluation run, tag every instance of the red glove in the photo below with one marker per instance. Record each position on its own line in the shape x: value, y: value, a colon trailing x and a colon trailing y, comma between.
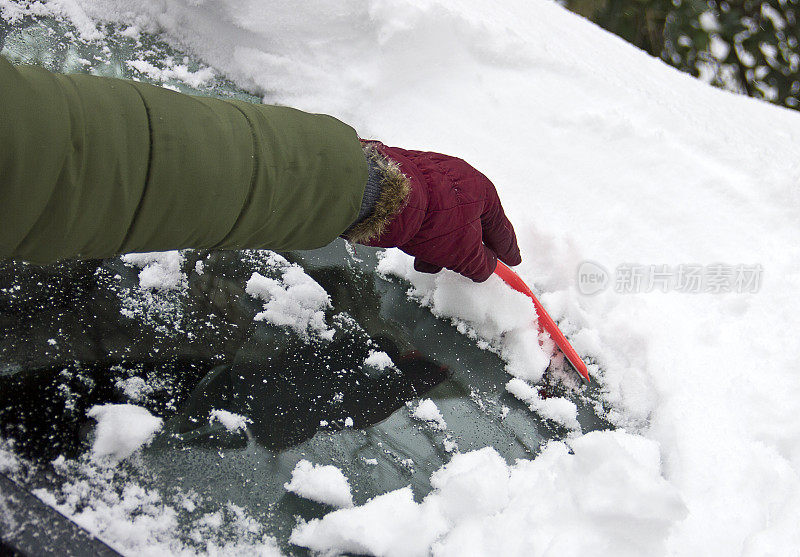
x: 452, y: 217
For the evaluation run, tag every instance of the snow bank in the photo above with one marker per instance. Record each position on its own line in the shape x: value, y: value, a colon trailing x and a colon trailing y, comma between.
x: 602, y: 494
x: 121, y: 430
x: 323, y: 484
x: 230, y: 421
x: 558, y: 409
x: 427, y: 411
x: 296, y: 301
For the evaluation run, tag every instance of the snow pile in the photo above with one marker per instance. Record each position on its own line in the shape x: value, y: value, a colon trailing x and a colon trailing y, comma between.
x: 378, y: 360
x: 160, y: 270
x: 296, y: 301
x: 323, y: 484
x: 391, y: 525
x: 230, y: 421
x: 427, y: 411
x: 558, y: 409
x: 121, y: 430
x: 501, y: 318
x: 585, y: 498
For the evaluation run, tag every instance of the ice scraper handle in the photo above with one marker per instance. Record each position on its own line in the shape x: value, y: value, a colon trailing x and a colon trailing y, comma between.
x: 545, y: 321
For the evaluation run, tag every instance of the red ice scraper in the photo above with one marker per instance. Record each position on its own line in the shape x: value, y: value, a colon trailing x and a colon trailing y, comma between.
x: 545, y: 321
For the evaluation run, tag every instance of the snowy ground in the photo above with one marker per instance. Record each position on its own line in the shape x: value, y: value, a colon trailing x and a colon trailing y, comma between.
x: 603, y: 154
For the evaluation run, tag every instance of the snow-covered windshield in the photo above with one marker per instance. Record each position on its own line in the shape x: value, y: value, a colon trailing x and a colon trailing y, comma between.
x: 331, y: 369
x: 338, y: 401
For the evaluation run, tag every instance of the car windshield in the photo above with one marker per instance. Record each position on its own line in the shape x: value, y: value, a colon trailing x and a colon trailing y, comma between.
x: 253, y: 360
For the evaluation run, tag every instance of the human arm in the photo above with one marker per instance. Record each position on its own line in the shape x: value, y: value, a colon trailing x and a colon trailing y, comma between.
x: 93, y: 167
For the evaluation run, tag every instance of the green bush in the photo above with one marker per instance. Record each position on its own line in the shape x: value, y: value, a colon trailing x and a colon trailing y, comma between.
x: 748, y: 46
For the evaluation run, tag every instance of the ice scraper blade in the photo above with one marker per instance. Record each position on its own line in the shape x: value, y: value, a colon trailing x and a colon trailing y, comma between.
x: 545, y: 321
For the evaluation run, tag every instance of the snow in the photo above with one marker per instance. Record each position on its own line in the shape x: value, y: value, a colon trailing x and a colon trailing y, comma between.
x: 558, y: 409
x: 503, y: 318
x: 173, y: 71
x: 9, y: 461
x: 160, y: 270
x: 121, y: 430
x: 585, y: 498
x: 378, y: 360
x: 296, y: 301
x: 600, y: 153
x: 230, y: 421
x: 390, y: 525
x: 134, y: 389
x: 321, y: 483
x: 427, y: 411
x: 137, y: 519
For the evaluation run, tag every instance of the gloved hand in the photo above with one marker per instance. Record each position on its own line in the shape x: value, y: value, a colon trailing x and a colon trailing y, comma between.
x: 451, y: 217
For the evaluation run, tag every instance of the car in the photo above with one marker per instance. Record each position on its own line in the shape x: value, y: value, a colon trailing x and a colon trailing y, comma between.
x: 239, y: 397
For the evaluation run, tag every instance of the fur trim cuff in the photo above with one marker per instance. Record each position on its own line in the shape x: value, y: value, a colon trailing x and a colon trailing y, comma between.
x: 395, y: 189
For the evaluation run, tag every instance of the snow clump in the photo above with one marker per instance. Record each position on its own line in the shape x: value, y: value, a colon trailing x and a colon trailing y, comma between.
x: 378, y: 360
x: 121, y: 430
x: 232, y: 422
x: 160, y: 270
x: 323, y: 484
x: 427, y: 411
x: 296, y: 301
x: 558, y: 409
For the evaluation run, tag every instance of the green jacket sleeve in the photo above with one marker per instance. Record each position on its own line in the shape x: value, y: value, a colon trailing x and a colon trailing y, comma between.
x: 94, y: 167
